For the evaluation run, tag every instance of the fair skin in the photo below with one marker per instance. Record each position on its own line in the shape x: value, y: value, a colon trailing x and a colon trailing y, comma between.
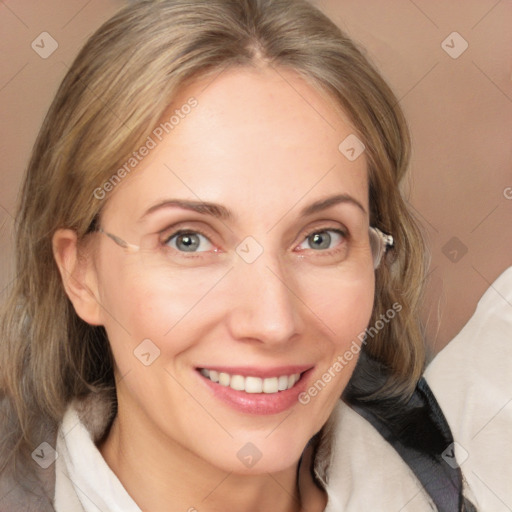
x: 264, y: 145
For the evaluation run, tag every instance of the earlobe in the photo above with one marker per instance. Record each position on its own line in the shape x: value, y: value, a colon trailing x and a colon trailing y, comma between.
x: 78, y: 276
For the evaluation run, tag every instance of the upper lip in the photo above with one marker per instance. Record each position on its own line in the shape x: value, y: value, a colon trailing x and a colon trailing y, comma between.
x: 254, y: 371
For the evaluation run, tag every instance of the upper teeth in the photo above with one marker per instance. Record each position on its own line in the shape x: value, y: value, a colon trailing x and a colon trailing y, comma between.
x: 252, y: 384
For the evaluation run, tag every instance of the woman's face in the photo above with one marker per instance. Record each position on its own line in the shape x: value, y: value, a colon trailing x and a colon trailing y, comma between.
x: 273, y: 284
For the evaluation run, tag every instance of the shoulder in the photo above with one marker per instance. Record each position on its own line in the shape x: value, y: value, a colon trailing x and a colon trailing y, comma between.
x: 31, y: 479
x: 483, y: 345
x: 472, y: 381
x: 26, y: 482
x: 365, y: 472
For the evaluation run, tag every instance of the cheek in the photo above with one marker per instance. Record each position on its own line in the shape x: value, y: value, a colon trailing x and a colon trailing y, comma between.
x: 351, y: 311
x: 142, y: 306
x: 344, y: 306
x: 345, y: 311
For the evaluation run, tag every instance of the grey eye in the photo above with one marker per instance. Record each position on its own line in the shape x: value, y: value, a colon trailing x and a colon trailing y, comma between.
x: 321, y: 240
x: 189, y: 241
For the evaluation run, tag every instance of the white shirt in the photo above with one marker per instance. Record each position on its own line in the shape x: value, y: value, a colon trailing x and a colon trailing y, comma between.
x: 472, y: 381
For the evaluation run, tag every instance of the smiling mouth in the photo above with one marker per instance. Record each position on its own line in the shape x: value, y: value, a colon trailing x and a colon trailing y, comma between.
x: 248, y: 384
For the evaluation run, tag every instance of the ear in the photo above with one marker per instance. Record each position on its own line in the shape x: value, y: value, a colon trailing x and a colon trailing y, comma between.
x: 78, y: 275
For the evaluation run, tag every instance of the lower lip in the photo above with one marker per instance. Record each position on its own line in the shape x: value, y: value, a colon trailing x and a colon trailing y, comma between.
x: 258, y: 403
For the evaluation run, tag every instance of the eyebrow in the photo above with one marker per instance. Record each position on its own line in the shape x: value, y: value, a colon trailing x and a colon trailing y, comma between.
x: 215, y: 210
x: 323, y: 204
x: 221, y: 212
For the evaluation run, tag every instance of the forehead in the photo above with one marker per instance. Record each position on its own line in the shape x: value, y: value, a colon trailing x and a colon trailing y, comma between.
x: 256, y: 139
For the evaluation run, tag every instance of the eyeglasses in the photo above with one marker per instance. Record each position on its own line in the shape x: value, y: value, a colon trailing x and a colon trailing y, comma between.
x: 380, y: 243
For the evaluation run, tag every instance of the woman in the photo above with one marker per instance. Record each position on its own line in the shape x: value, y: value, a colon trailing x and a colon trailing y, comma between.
x: 212, y: 249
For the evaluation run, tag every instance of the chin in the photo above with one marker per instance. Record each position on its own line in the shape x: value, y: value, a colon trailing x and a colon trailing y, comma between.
x: 263, y: 452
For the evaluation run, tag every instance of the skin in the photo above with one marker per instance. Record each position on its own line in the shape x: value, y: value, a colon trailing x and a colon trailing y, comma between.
x: 264, y: 144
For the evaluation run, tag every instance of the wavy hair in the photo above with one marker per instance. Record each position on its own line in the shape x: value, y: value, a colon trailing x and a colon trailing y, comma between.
x: 110, y: 100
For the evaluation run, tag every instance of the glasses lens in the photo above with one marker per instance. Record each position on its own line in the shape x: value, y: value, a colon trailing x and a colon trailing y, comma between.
x: 379, y: 243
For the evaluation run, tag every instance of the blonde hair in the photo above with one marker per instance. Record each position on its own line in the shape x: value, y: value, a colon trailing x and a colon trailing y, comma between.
x: 111, y: 99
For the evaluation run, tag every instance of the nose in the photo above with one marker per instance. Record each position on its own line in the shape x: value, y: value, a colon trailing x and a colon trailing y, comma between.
x: 264, y: 305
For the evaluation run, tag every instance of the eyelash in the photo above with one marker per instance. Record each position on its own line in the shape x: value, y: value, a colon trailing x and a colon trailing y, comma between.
x: 184, y: 231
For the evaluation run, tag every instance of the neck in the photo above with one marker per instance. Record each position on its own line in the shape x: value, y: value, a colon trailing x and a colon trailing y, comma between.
x: 156, y: 472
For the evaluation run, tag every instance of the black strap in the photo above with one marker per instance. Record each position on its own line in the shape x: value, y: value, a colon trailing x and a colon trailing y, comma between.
x: 419, y: 432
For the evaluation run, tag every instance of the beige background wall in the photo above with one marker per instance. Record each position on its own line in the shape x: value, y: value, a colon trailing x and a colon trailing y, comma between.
x: 459, y: 110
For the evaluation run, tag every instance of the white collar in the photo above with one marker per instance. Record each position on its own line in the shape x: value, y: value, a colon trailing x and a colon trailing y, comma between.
x: 85, y: 482
x: 83, y: 473
x: 351, y: 447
